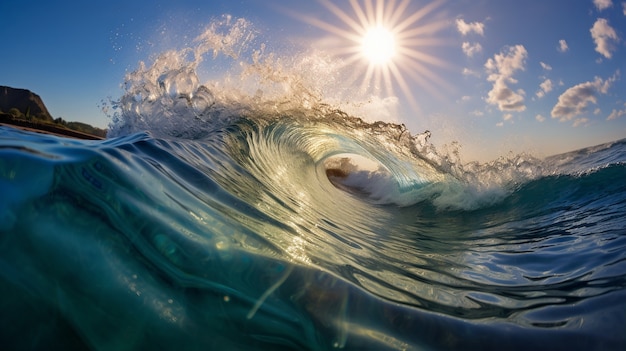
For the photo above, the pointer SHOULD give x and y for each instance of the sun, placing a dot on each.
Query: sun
(378, 45)
(386, 45)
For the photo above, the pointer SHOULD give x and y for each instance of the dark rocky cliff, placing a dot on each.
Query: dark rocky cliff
(27, 102)
(24, 109)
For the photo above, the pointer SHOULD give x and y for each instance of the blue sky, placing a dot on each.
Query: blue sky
(537, 76)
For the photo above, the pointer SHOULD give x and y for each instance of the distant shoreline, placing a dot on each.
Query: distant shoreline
(44, 128)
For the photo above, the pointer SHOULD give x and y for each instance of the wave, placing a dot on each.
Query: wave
(167, 99)
(252, 212)
(161, 233)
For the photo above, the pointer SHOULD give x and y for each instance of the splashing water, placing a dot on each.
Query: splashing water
(252, 212)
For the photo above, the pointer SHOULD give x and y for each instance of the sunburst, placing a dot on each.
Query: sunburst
(390, 45)
(378, 45)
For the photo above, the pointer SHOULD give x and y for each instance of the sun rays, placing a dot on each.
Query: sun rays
(386, 45)
(378, 45)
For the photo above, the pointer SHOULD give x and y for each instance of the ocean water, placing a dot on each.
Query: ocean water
(240, 216)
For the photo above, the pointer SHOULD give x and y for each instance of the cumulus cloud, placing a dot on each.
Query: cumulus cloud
(500, 70)
(544, 88)
(574, 101)
(507, 62)
(617, 113)
(562, 46)
(545, 66)
(471, 49)
(624, 8)
(602, 4)
(604, 36)
(465, 28)
(540, 118)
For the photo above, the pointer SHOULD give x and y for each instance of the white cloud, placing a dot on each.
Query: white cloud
(562, 46)
(544, 88)
(469, 72)
(381, 108)
(574, 101)
(465, 28)
(604, 36)
(500, 71)
(540, 118)
(471, 49)
(602, 4)
(624, 8)
(617, 113)
(507, 117)
(545, 66)
(580, 121)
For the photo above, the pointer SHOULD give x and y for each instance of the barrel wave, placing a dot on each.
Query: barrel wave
(214, 220)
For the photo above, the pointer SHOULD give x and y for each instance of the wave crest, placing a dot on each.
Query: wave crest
(167, 99)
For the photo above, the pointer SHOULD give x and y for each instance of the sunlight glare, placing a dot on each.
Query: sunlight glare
(378, 45)
(385, 44)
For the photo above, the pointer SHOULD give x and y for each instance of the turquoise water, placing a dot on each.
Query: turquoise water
(240, 240)
(251, 213)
